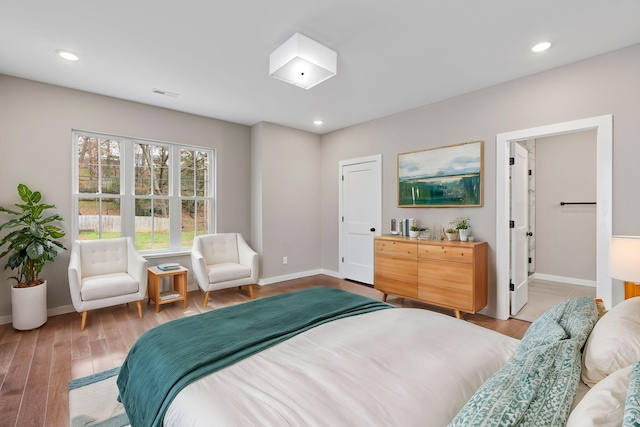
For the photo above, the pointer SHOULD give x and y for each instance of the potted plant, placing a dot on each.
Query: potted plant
(414, 231)
(31, 243)
(463, 225)
(452, 233)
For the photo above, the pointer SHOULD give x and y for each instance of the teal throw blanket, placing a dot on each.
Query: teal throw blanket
(167, 358)
(536, 388)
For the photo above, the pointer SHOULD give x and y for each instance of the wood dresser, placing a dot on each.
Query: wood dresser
(445, 273)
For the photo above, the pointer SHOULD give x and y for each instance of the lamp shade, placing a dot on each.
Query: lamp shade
(303, 62)
(624, 258)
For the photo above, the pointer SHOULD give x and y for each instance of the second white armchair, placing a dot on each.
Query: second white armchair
(222, 261)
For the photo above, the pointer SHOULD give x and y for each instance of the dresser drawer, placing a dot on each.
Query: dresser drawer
(446, 253)
(392, 286)
(443, 276)
(386, 247)
(398, 268)
(458, 300)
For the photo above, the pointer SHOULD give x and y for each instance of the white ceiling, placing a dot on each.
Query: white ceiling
(392, 55)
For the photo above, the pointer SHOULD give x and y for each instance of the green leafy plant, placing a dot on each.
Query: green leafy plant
(460, 223)
(451, 230)
(416, 228)
(33, 240)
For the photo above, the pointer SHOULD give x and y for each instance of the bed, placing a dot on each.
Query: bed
(336, 358)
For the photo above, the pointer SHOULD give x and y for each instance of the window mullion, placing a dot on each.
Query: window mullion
(175, 206)
(212, 191)
(127, 190)
(75, 182)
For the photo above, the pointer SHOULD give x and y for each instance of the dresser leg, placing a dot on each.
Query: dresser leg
(458, 315)
(384, 297)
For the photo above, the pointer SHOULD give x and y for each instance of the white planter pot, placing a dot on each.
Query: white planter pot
(464, 234)
(452, 236)
(29, 307)
(413, 233)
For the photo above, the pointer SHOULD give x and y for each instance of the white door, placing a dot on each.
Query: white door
(360, 216)
(519, 236)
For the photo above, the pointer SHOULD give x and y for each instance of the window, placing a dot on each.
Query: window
(160, 193)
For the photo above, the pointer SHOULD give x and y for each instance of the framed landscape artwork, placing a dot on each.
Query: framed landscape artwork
(441, 177)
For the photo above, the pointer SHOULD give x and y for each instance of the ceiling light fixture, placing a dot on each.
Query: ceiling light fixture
(317, 122)
(69, 56)
(303, 62)
(541, 47)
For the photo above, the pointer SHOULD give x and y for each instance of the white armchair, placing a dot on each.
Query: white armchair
(221, 261)
(104, 273)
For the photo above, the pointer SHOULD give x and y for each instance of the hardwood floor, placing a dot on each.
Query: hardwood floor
(36, 366)
(544, 294)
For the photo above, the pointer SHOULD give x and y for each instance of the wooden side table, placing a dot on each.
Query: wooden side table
(179, 292)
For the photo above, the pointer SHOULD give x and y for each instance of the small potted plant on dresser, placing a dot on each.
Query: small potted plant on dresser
(463, 225)
(414, 231)
(30, 245)
(451, 233)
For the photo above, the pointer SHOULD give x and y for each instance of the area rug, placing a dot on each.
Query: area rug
(93, 401)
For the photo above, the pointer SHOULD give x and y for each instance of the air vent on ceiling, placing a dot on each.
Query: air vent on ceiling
(165, 93)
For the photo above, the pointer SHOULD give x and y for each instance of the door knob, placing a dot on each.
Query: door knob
(529, 233)
(372, 229)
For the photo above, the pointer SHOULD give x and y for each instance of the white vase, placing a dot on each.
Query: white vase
(464, 234)
(29, 307)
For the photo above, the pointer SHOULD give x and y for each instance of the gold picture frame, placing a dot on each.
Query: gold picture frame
(442, 177)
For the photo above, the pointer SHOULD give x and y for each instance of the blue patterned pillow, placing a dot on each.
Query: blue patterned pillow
(632, 405)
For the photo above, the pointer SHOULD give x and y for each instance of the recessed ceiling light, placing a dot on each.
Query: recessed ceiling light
(69, 56)
(541, 47)
(317, 122)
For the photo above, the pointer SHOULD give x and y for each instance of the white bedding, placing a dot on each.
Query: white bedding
(400, 367)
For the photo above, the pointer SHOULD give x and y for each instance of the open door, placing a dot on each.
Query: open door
(519, 285)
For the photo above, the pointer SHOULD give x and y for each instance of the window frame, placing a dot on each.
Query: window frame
(127, 194)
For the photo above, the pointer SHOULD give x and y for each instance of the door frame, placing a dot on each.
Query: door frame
(377, 160)
(604, 220)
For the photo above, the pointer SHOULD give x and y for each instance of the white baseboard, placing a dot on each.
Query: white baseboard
(63, 309)
(570, 280)
(332, 273)
(270, 280)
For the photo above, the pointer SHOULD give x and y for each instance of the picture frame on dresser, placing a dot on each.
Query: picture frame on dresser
(442, 177)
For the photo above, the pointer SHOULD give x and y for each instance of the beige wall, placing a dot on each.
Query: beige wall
(607, 84)
(297, 212)
(566, 235)
(289, 199)
(35, 141)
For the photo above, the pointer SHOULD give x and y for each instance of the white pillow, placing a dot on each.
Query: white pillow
(604, 404)
(614, 343)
